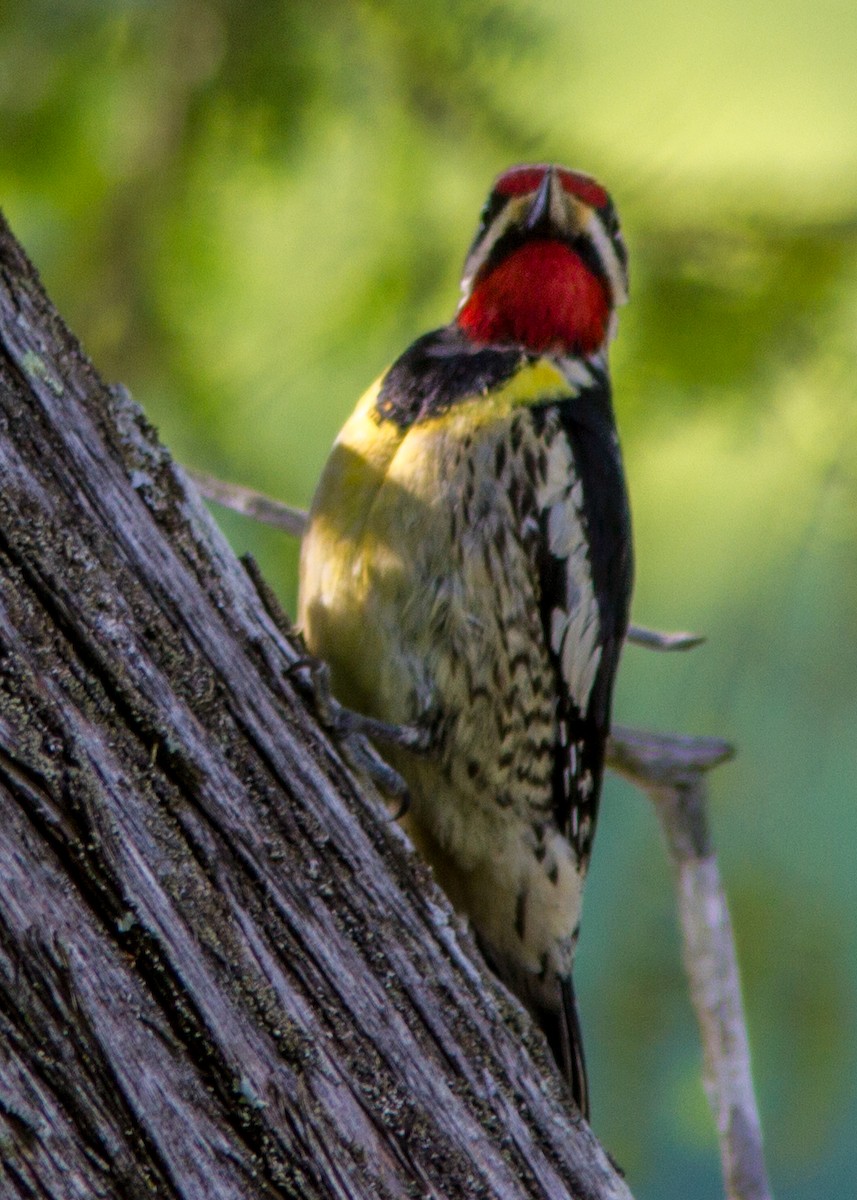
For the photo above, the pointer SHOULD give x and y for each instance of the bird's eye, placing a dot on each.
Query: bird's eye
(492, 206)
(610, 220)
(490, 209)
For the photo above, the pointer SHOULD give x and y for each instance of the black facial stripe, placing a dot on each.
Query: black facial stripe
(584, 248)
(610, 222)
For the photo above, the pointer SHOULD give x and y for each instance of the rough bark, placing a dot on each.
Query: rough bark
(223, 973)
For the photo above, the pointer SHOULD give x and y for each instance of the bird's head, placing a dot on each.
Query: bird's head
(547, 267)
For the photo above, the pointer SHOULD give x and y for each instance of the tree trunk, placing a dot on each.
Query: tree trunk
(223, 972)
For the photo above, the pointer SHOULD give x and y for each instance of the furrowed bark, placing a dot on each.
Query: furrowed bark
(223, 973)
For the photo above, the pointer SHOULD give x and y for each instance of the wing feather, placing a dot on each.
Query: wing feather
(585, 575)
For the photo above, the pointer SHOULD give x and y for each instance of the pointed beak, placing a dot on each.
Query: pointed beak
(539, 218)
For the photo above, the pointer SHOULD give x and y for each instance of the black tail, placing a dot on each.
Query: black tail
(562, 1030)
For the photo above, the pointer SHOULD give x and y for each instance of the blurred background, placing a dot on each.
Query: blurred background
(246, 208)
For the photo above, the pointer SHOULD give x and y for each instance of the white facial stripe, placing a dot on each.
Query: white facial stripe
(609, 258)
(511, 213)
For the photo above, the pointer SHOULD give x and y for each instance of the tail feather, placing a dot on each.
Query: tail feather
(560, 1024)
(573, 1062)
(562, 1030)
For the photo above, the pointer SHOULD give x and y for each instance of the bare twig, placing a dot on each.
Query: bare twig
(671, 770)
(653, 639)
(250, 503)
(664, 759)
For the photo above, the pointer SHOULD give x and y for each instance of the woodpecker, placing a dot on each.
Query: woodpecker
(467, 570)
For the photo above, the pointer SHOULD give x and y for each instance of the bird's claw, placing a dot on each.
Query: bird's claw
(357, 732)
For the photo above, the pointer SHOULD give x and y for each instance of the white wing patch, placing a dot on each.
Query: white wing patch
(575, 627)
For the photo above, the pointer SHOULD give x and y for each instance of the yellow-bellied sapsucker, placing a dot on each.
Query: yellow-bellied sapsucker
(467, 570)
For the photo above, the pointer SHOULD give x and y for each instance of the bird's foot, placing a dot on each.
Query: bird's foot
(357, 732)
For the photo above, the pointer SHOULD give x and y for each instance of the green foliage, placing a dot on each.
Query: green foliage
(246, 209)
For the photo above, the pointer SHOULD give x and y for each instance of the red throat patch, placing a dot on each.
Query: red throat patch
(542, 297)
